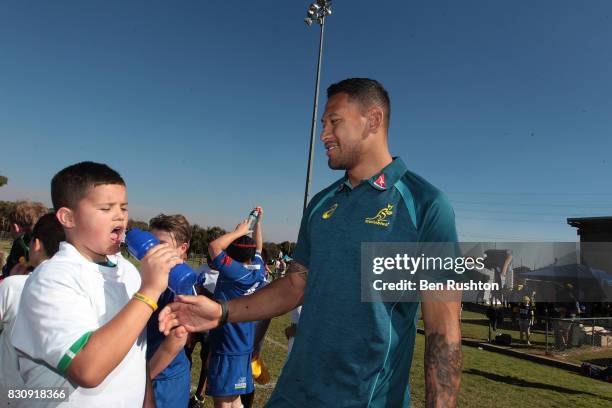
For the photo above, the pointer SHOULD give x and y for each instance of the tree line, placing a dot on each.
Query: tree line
(200, 236)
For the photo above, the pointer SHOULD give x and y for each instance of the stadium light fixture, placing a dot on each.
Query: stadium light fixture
(315, 13)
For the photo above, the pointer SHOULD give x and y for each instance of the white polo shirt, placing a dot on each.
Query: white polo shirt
(63, 302)
(10, 292)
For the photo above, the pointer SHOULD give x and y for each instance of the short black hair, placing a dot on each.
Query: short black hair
(242, 249)
(366, 91)
(73, 183)
(50, 232)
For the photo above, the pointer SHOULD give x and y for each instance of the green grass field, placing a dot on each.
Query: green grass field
(5, 246)
(475, 326)
(489, 379)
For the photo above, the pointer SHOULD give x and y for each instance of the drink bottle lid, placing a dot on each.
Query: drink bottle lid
(139, 242)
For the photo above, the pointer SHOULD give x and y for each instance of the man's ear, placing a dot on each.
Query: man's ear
(184, 248)
(65, 216)
(375, 119)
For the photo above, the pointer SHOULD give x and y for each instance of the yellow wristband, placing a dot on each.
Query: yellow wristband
(145, 299)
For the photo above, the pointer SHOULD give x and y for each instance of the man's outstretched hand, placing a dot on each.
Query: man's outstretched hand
(194, 313)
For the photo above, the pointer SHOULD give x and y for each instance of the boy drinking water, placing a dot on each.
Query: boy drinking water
(82, 316)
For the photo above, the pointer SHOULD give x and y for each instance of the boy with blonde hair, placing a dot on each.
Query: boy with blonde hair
(82, 315)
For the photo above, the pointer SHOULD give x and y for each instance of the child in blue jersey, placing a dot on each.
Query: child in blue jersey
(169, 367)
(238, 259)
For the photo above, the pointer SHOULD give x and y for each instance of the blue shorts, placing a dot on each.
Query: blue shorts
(172, 392)
(229, 375)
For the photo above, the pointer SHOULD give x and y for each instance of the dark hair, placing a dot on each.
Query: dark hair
(50, 232)
(175, 224)
(264, 255)
(73, 183)
(366, 91)
(26, 213)
(242, 249)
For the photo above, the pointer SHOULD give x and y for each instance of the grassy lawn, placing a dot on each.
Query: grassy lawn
(475, 326)
(5, 246)
(489, 379)
(593, 355)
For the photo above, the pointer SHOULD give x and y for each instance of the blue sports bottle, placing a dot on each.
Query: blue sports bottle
(181, 278)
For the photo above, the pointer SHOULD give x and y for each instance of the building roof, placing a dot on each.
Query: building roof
(589, 221)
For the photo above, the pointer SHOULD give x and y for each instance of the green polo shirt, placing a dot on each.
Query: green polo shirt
(350, 353)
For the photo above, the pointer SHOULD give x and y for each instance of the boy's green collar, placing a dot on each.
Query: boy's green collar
(108, 263)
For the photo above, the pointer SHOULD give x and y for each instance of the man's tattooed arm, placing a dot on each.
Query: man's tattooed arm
(298, 269)
(443, 361)
(443, 358)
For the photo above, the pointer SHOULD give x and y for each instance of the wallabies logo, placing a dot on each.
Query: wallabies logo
(381, 217)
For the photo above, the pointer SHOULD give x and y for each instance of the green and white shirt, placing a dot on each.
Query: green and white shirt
(65, 300)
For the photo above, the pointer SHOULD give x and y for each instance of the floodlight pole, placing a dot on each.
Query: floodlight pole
(321, 21)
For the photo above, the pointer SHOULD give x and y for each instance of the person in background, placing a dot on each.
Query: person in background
(22, 217)
(205, 286)
(525, 320)
(44, 243)
(261, 375)
(238, 259)
(168, 364)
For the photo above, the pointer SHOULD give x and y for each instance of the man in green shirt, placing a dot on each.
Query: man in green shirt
(347, 352)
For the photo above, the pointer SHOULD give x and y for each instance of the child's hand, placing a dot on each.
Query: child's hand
(155, 267)
(242, 228)
(180, 333)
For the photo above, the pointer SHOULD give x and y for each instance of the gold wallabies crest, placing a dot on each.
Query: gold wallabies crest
(381, 217)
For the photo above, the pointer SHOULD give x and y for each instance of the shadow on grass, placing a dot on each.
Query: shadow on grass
(519, 382)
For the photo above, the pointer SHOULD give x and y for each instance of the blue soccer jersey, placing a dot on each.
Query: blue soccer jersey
(235, 280)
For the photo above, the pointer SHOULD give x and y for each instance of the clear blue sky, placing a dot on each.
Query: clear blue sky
(204, 107)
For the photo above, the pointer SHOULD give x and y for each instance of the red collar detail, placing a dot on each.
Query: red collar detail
(380, 181)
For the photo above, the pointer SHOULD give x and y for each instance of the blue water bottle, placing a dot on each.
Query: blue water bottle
(181, 278)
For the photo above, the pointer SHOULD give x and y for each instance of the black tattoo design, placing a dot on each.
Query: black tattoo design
(443, 363)
(301, 270)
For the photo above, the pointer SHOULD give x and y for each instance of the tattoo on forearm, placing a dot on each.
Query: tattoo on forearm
(443, 362)
(301, 270)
